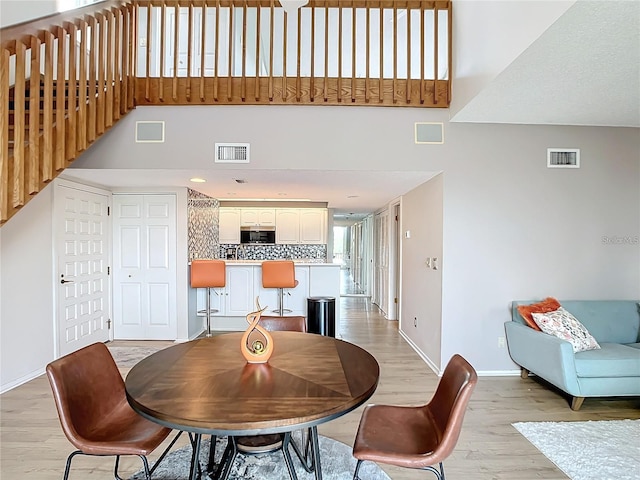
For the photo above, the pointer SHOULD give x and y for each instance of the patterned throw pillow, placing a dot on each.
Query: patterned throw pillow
(562, 324)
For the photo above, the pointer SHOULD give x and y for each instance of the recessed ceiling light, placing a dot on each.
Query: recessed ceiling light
(197, 180)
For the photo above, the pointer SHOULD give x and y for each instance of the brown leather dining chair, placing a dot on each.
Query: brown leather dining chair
(94, 413)
(418, 436)
(254, 444)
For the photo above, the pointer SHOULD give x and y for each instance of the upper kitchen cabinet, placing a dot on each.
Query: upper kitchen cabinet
(257, 217)
(301, 225)
(229, 225)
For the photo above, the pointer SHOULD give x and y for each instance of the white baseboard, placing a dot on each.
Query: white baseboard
(481, 373)
(24, 379)
(421, 354)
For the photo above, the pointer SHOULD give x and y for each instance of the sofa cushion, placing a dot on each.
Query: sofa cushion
(609, 321)
(611, 360)
(562, 324)
(549, 304)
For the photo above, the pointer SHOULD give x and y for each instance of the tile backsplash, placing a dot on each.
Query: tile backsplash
(275, 252)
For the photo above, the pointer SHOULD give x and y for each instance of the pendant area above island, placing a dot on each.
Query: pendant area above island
(244, 285)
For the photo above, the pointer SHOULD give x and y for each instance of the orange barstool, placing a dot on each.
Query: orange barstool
(208, 274)
(279, 274)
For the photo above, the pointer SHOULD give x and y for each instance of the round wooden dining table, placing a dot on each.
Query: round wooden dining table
(206, 386)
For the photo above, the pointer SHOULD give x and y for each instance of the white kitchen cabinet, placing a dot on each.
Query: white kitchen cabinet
(260, 217)
(313, 225)
(236, 298)
(288, 225)
(301, 225)
(229, 225)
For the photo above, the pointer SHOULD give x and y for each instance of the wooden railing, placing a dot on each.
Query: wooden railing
(95, 64)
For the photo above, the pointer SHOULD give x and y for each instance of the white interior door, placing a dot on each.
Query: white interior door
(144, 274)
(82, 257)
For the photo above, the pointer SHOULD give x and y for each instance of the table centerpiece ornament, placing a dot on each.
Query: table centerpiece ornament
(256, 344)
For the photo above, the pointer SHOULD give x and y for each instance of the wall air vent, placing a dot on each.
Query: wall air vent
(232, 153)
(150, 132)
(563, 157)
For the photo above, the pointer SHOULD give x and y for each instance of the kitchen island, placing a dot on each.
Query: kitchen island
(244, 285)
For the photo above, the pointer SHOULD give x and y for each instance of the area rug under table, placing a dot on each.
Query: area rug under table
(593, 450)
(337, 464)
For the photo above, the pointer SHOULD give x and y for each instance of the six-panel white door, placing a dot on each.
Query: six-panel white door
(144, 276)
(82, 253)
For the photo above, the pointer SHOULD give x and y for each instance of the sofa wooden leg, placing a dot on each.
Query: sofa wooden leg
(524, 373)
(576, 403)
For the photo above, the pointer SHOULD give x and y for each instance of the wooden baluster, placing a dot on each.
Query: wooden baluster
(133, 57)
(117, 62)
(216, 52)
(381, 79)
(47, 118)
(83, 85)
(126, 52)
(100, 100)
(435, 55)
(61, 83)
(408, 92)
(353, 51)
(17, 182)
(4, 135)
(163, 49)
(449, 47)
(421, 53)
(32, 170)
(395, 51)
(176, 52)
(272, 26)
(243, 80)
(147, 63)
(230, 47)
(92, 84)
(339, 92)
(110, 77)
(284, 59)
(71, 133)
(189, 49)
(258, 32)
(367, 85)
(203, 48)
(299, 50)
(326, 51)
(312, 83)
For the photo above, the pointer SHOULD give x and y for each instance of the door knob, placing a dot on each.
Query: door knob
(66, 281)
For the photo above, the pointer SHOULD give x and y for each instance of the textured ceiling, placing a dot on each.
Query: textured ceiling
(583, 70)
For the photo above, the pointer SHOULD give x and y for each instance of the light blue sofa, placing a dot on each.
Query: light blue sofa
(613, 370)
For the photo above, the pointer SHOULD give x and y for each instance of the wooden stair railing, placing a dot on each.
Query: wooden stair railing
(83, 87)
(96, 63)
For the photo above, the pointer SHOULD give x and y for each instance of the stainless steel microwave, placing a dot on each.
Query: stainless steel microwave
(258, 235)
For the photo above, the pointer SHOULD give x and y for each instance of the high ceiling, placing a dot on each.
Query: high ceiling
(583, 70)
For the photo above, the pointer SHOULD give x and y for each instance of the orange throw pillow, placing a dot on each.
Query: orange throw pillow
(547, 305)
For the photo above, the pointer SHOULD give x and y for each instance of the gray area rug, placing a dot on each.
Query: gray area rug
(127, 357)
(594, 450)
(337, 464)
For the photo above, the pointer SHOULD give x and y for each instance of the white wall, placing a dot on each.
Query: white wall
(421, 300)
(26, 289)
(13, 11)
(512, 228)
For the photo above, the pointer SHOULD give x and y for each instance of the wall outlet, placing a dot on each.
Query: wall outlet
(501, 342)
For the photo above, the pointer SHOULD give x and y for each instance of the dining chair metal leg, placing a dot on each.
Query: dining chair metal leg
(68, 467)
(355, 474)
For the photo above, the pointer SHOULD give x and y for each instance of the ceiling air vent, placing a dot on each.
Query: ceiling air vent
(232, 153)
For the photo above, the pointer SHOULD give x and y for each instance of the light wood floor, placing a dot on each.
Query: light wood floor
(32, 445)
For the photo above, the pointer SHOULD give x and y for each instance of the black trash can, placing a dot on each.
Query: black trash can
(321, 316)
